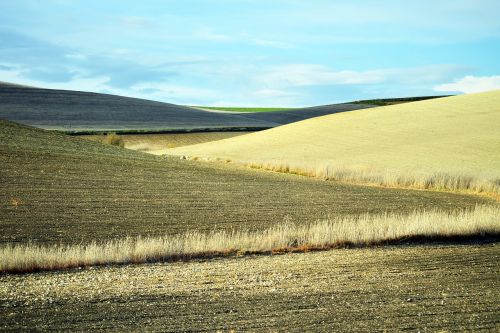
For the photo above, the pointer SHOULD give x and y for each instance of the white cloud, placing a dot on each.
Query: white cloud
(172, 93)
(120, 52)
(273, 93)
(471, 84)
(210, 35)
(391, 21)
(76, 56)
(273, 43)
(260, 98)
(301, 75)
(137, 21)
(311, 74)
(154, 91)
(97, 84)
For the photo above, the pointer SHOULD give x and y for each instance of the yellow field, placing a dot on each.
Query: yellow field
(158, 143)
(447, 143)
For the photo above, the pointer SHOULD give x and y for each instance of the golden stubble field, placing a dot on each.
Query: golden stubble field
(446, 143)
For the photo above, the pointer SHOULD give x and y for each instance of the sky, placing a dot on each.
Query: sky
(283, 53)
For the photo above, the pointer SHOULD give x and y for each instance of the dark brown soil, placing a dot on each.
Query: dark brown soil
(415, 289)
(57, 188)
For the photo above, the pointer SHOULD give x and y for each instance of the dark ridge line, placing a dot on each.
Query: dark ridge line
(377, 101)
(83, 92)
(8, 85)
(164, 131)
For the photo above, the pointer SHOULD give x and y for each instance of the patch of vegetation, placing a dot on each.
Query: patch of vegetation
(113, 139)
(441, 181)
(158, 143)
(282, 238)
(392, 101)
(244, 109)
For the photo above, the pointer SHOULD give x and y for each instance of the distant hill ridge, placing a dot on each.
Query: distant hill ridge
(84, 111)
(4, 84)
(87, 112)
(76, 111)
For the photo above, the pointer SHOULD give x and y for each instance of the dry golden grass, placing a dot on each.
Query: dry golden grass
(335, 232)
(159, 144)
(112, 139)
(437, 180)
(447, 143)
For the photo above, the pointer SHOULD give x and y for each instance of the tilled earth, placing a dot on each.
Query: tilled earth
(412, 288)
(60, 189)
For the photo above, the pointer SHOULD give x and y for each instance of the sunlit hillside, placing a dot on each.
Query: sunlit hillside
(451, 143)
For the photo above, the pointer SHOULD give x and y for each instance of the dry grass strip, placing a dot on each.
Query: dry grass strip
(441, 181)
(362, 230)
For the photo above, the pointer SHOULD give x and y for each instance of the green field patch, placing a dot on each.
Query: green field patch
(243, 109)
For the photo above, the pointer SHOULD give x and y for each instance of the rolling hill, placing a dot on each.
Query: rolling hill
(81, 111)
(293, 115)
(283, 116)
(75, 111)
(450, 143)
(62, 189)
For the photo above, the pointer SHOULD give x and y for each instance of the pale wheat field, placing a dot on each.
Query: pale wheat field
(448, 143)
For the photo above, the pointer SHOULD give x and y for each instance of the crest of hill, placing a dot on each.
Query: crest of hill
(293, 115)
(81, 112)
(406, 143)
(76, 111)
(12, 85)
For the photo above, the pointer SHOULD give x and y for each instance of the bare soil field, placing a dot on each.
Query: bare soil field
(76, 111)
(416, 288)
(83, 112)
(57, 188)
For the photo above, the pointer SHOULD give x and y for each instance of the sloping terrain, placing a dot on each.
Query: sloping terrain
(81, 111)
(12, 85)
(57, 188)
(407, 143)
(284, 116)
(75, 111)
(294, 115)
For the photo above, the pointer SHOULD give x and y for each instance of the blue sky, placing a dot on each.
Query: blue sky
(253, 53)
